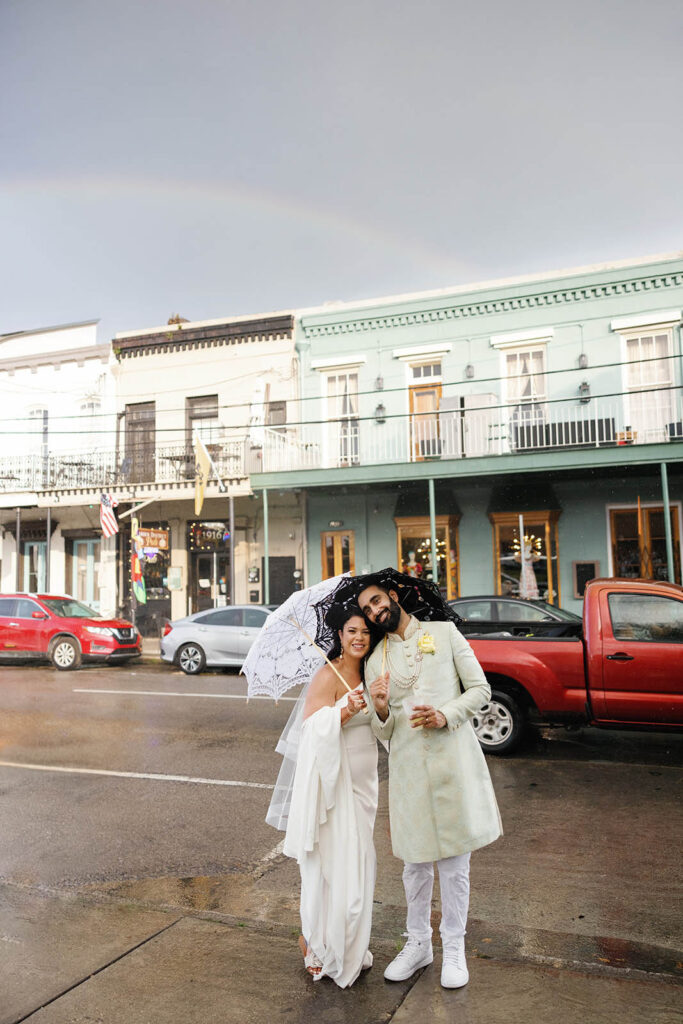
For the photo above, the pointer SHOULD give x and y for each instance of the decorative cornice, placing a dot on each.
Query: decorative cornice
(177, 337)
(503, 304)
(422, 351)
(514, 338)
(338, 361)
(661, 318)
(81, 355)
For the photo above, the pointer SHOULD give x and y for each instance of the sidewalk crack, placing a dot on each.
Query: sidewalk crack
(99, 970)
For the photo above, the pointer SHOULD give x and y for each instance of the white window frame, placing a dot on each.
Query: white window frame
(645, 332)
(36, 440)
(336, 369)
(534, 346)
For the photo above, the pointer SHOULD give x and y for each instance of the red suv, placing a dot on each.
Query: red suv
(39, 626)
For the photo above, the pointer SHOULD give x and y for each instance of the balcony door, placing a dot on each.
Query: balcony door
(342, 416)
(425, 400)
(140, 442)
(649, 383)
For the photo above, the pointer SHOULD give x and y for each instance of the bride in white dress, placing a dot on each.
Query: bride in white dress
(332, 814)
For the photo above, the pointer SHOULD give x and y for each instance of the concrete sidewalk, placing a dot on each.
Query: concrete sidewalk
(78, 959)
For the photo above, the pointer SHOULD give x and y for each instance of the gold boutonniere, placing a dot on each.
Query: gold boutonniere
(426, 644)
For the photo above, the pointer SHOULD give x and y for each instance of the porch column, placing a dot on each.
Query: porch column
(48, 536)
(231, 527)
(266, 566)
(18, 570)
(432, 527)
(667, 524)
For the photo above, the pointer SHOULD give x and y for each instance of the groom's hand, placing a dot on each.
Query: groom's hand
(379, 691)
(428, 717)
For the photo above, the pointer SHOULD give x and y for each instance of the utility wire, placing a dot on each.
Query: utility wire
(251, 427)
(419, 382)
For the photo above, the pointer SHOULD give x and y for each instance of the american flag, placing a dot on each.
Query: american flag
(108, 518)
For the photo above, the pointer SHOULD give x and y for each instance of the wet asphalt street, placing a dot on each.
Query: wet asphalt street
(147, 788)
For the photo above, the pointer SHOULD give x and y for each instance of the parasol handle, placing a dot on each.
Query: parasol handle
(321, 651)
(384, 655)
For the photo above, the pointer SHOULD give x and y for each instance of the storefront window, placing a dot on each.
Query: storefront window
(155, 557)
(153, 551)
(415, 551)
(639, 543)
(338, 553)
(525, 550)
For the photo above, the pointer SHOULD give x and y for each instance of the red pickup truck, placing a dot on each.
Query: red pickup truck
(625, 670)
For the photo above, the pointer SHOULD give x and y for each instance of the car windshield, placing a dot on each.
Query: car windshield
(68, 608)
(559, 613)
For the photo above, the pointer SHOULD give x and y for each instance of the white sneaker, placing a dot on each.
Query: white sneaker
(454, 973)
(413, 956)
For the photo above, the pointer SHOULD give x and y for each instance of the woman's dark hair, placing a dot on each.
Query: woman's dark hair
(336, 618)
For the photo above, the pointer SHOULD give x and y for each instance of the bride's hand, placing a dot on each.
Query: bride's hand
(379, 691)
(355, 703)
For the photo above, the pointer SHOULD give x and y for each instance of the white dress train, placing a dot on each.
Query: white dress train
(329, 833)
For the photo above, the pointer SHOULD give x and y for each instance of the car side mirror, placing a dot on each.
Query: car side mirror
(38, 615)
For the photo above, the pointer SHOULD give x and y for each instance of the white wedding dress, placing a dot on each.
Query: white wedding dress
(329, 833)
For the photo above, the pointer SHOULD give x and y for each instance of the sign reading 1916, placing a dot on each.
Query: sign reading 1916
(209, 536)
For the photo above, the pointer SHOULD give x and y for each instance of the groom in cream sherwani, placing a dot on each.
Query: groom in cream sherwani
(441, 800)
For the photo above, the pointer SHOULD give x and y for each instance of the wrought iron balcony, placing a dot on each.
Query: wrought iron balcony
(106, 468)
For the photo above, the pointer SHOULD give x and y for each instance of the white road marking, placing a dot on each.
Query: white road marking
(134, 775)
(167, 693)
(266, 861)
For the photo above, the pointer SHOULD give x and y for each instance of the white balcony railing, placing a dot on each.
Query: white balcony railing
(476, 431)
(461, 431)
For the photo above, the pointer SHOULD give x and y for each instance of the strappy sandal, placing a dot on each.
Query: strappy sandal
(312, 962)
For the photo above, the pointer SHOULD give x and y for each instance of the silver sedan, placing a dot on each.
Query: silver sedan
(213, 638)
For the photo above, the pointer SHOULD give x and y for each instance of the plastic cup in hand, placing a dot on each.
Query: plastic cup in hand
(408, 708)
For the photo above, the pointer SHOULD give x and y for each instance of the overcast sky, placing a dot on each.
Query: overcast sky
(222, 157)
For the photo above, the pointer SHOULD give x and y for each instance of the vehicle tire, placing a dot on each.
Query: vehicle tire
(65, 654)
(500, 724)
(191, 659)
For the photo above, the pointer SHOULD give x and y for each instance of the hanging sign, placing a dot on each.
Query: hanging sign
(154, 538)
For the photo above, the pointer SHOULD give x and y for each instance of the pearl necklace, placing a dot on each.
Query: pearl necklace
(404, 682)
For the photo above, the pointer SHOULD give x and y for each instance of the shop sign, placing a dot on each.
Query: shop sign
(157, 539)
(208, 536)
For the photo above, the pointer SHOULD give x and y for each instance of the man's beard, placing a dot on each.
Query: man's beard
(389, 624)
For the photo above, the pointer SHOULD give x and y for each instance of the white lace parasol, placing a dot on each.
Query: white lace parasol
(281, 656)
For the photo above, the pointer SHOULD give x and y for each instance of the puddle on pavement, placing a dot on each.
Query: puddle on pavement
(236, 894)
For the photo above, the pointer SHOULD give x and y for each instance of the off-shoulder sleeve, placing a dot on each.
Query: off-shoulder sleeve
(317, 770)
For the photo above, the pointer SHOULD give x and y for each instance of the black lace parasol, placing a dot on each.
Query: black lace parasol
(421, 598)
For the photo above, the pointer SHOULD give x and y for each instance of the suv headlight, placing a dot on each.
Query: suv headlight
(99, 630)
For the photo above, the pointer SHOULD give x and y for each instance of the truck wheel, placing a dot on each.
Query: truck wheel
(499, 725)
(191, 659)
(65, 654)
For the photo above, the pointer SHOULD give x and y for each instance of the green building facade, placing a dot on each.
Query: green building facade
(528, 431)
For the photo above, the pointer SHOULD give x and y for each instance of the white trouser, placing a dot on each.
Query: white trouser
(454, 881)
